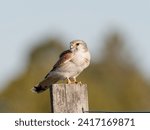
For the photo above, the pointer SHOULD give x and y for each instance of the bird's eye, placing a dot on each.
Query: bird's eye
(77, 44)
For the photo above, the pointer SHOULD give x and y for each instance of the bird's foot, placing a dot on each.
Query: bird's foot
(68, 81)
(73, 81)
(78, 82)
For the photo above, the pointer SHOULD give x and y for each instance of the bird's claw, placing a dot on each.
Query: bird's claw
(78, 82)
(69, 81)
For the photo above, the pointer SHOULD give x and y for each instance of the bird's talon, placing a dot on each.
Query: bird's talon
(78, 82)
(68, 81)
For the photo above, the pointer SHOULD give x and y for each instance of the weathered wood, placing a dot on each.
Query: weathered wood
(69, 98)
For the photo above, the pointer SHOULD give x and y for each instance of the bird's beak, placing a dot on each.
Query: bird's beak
(71, 47)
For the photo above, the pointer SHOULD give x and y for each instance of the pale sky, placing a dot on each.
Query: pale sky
(24, 21)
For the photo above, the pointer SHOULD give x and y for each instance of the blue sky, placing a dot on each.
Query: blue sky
(24, 21)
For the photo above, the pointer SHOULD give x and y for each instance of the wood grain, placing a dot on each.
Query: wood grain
(69, 98)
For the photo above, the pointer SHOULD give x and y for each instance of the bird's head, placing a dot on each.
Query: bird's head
(76, 45)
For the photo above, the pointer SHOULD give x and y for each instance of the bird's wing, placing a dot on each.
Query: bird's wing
(48, 80)
(63, 59)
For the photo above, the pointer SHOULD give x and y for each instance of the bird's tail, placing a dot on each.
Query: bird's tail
(45, 84)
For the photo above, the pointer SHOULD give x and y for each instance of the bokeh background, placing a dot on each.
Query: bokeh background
(34, 32)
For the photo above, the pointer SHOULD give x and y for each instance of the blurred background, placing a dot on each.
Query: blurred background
(34, 32)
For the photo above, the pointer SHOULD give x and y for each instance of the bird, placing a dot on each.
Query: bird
(69, 65)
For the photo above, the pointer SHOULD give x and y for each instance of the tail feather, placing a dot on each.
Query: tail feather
(38, 89)
(45, 84)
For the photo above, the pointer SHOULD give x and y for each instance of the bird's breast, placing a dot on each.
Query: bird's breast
(81, 59)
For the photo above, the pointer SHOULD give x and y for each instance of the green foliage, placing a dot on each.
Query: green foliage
(114, 83)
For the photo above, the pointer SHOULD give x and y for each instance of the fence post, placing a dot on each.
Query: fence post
(69, 98)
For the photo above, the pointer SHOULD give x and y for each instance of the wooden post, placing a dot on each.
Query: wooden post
(69, 98)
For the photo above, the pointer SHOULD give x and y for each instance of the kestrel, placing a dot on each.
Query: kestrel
(70, 64)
